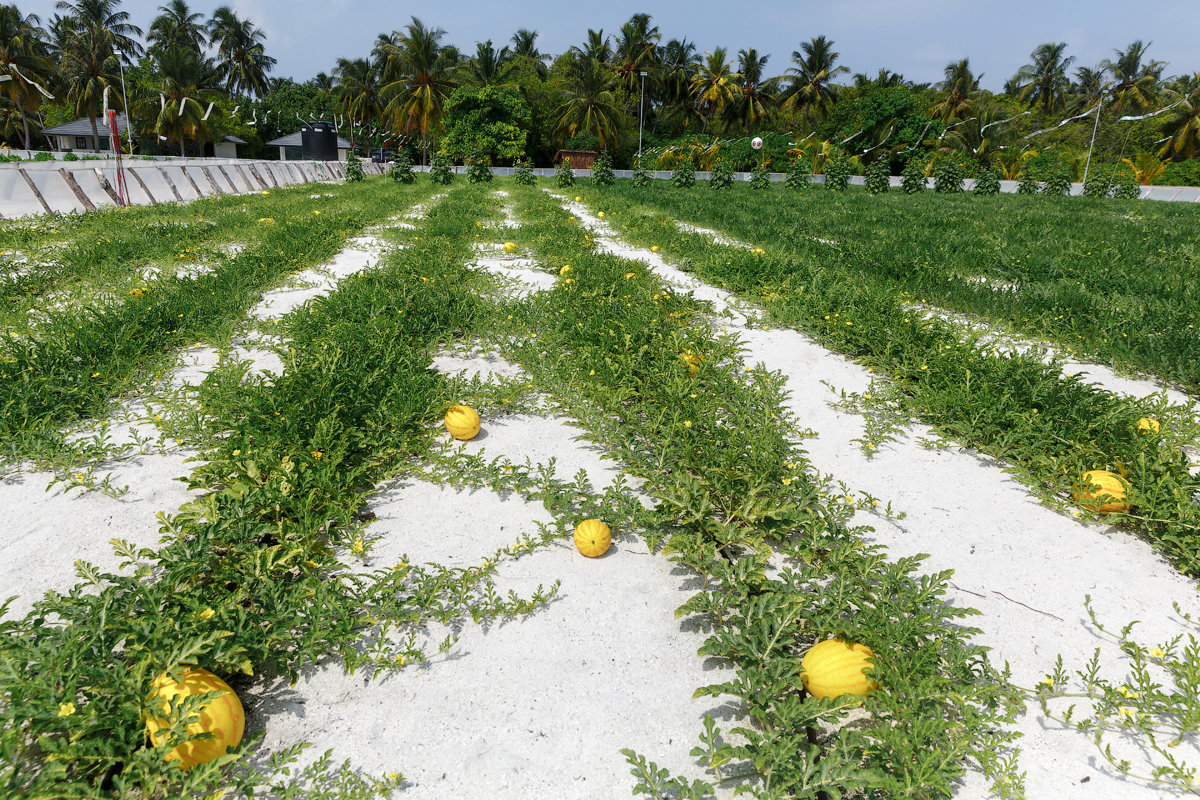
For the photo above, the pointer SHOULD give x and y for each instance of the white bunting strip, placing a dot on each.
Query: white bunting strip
(162, 103)
(235, 110)
(1064, 122)
(182, 102)
(206, 113)
(887, 136)
(1002, 121)
(851, 136)
(104, 110)
(32, 82)
(1153, 114)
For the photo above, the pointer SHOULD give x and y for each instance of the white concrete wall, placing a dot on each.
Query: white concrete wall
(165, 181)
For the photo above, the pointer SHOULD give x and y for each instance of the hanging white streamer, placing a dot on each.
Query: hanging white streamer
(887, 136)
(104, 110)
(1064, 122)
(1002, 121)
(206, 113)
(851, 136)
(1153, 114)
(255, 120)
(162, 103)
(235, 110)
(34, 83)
(182, 103)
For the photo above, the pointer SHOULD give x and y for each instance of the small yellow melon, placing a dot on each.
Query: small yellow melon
(600, 214)
(1098, 484)
(592, 538)
(630, 275)
(833, 668)
(578, 199)
(222, 716)
(654, 249)
(510, 247)
(1148, 425)
(462, 422)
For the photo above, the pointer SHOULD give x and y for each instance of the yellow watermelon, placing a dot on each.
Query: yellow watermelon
(1097, 484)
(221, 716)
(833, 668)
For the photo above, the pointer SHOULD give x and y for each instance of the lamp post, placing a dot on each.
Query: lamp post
(641, 115)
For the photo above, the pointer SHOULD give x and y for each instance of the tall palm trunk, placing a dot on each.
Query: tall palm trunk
(25, 124)
(95, 133)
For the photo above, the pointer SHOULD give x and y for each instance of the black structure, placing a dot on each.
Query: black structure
(318, 141)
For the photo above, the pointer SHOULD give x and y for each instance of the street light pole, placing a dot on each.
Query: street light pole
(641, 116)
(1099, 109)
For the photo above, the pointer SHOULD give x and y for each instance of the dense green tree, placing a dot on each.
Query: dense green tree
(23, 59)
(636, 50)
(960, 86)
(1136, 80)
(715, 84)
(488, 66)
(486, 121)
(104, 15)
(1183, 127)
(756, 99)
(418, 80)
(589, 103)
(89, 67)
(187, 83)
(356, 89)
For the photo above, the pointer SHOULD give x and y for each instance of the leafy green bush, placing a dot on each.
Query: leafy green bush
(837, 174)
(70, 157)
(684, 176)
(401, 169)
(878, 175)
(563, 176)
(799, 174)
(722, 175)
(354, 167)
(602, 172)
(1180, 173)
(759, 177)
(478, 170)
(641, 175)
(913, 176)
(439, 170)
(1096, 185)
(988, 182)
(1127, 186)
(523, 173)
(1058, 183)
(43, 157)
(948, 179)
(1028, 182)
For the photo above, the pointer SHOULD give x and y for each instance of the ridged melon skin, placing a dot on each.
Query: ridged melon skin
(592, 538)
(222, 716)
(1103, 483)
(462, 422)
(833, 668)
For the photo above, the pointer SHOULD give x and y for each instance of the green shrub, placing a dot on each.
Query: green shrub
(70, 157)
(722, 175)
(641, 175)
(439, 170)
(354, 167)
(523, 173)
(684, 176)
(837, 174)
(42, 157)
(1028, 182)
(759, 177)
(1096, 185)
(913, 176)
(988, 182)
(1127, 186)
(799, 174)
(401, 170)
(948, 179)
(602, 171)
(478, 169)
(878, 176)
(563, 176)
(1058, 183)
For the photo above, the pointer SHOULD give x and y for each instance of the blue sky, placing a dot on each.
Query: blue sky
(914, 37)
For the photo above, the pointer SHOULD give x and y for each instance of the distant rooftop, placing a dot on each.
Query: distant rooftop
(293, 140)
(81, 127)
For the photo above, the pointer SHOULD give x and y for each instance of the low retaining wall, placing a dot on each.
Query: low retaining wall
(57, 187)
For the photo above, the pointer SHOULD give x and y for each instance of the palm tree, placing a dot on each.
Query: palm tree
(1184, 127)
(177, 26)
(356, 87)
(243, 62)
(417, 79)
(103, 15)
(524, 44)
(489, 66)
(1136, 83)
(89, 66)
(1088, 86)
(678, 63)
(715, 85)
(812, 75)
(588, 102)
(187, 83)
(981, 137)
(595, 47)
(636, 50)
(885, 79)
(1044, 82)
(23, 60)
(960, 87)
(756, 98)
